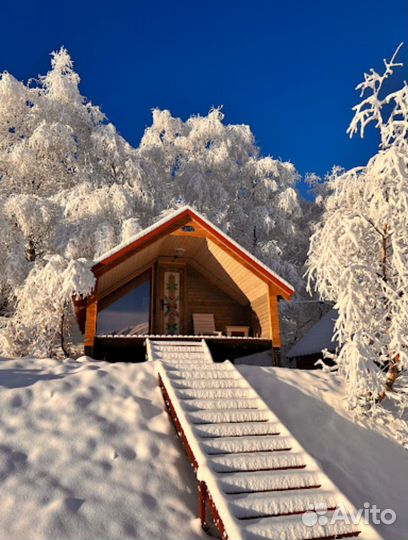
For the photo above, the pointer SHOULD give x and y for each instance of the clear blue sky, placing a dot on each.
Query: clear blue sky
(287, 68)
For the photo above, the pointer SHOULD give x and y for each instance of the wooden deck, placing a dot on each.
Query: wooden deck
(119, 348)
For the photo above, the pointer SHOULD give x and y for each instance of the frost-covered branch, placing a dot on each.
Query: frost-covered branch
(358, 255)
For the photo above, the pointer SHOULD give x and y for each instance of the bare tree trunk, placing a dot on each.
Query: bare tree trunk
(30, 251)
(62, 338)
(384, 253)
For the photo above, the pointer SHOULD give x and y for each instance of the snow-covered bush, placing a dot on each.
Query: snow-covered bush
(44, 304)
(358, 256)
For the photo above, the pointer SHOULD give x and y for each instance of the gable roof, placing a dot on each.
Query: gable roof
(172, 222)
(319, 337)
(224, 262)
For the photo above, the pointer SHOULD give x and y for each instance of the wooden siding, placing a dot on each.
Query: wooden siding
(254, 289)
(218, 271)
(130, 268)
(203, 296)
(260, 308)
(200, 228)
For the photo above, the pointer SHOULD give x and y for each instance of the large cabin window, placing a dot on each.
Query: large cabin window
(127, 310)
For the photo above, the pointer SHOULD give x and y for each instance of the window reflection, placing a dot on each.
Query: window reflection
(126, 311)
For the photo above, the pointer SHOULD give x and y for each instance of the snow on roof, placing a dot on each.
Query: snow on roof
(140, 234)
(193, 212)
(318, 338)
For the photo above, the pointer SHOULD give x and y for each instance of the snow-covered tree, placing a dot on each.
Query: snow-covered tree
(68, 184)
(217, 168)
(71, 187)
(44, 304)
(358, 256)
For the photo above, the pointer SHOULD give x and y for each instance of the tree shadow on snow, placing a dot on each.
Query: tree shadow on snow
(21, 378)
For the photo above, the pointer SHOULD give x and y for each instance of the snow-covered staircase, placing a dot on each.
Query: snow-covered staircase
(256, 478)
(178, 353)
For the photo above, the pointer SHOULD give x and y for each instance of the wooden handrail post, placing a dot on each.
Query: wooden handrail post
(202, 497)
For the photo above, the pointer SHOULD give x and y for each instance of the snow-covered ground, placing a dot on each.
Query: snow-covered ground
(87, 450)
(364, 461)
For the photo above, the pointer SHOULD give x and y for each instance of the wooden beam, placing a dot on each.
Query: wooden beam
(274, 319)
(118, 257)
(90, 325)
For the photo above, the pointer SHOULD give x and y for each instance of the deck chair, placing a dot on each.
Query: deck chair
(204, 324)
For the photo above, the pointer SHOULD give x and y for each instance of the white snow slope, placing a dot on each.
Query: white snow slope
(87, 451)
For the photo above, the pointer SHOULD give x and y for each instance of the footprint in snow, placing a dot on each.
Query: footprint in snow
(82, 402)
(73, 504)
(149, 501)
(128, 453)
(16, 402)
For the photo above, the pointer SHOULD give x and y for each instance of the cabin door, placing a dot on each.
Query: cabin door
(171, 298)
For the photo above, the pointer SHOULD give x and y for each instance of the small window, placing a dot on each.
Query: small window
(126, 311)
(188, 228)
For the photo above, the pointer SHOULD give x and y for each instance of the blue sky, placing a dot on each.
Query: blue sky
(288, 69)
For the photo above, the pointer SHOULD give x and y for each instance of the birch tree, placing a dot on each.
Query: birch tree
(72, 188)
(218, 169)
(358, 255)
(69, 184)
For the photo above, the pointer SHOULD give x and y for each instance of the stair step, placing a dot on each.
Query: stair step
(235, 445)
(220, 417)
(293, 528)
(181, 357)
(204, 374)
(171, 345)
(215, 393)
(258, 461)
(253, 482)
(220, 404)
(241, 429)
(179, 350)
(253, 505)
(205, 384)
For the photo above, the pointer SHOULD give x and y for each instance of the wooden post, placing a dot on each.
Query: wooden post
(202, 496)
(274, 326)
(90, 326)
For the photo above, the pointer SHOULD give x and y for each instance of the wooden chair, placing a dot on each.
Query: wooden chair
(204, 324)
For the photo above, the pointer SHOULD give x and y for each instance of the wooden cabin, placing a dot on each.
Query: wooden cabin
(182, 279)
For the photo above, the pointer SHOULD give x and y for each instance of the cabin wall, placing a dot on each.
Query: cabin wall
(203, 296)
